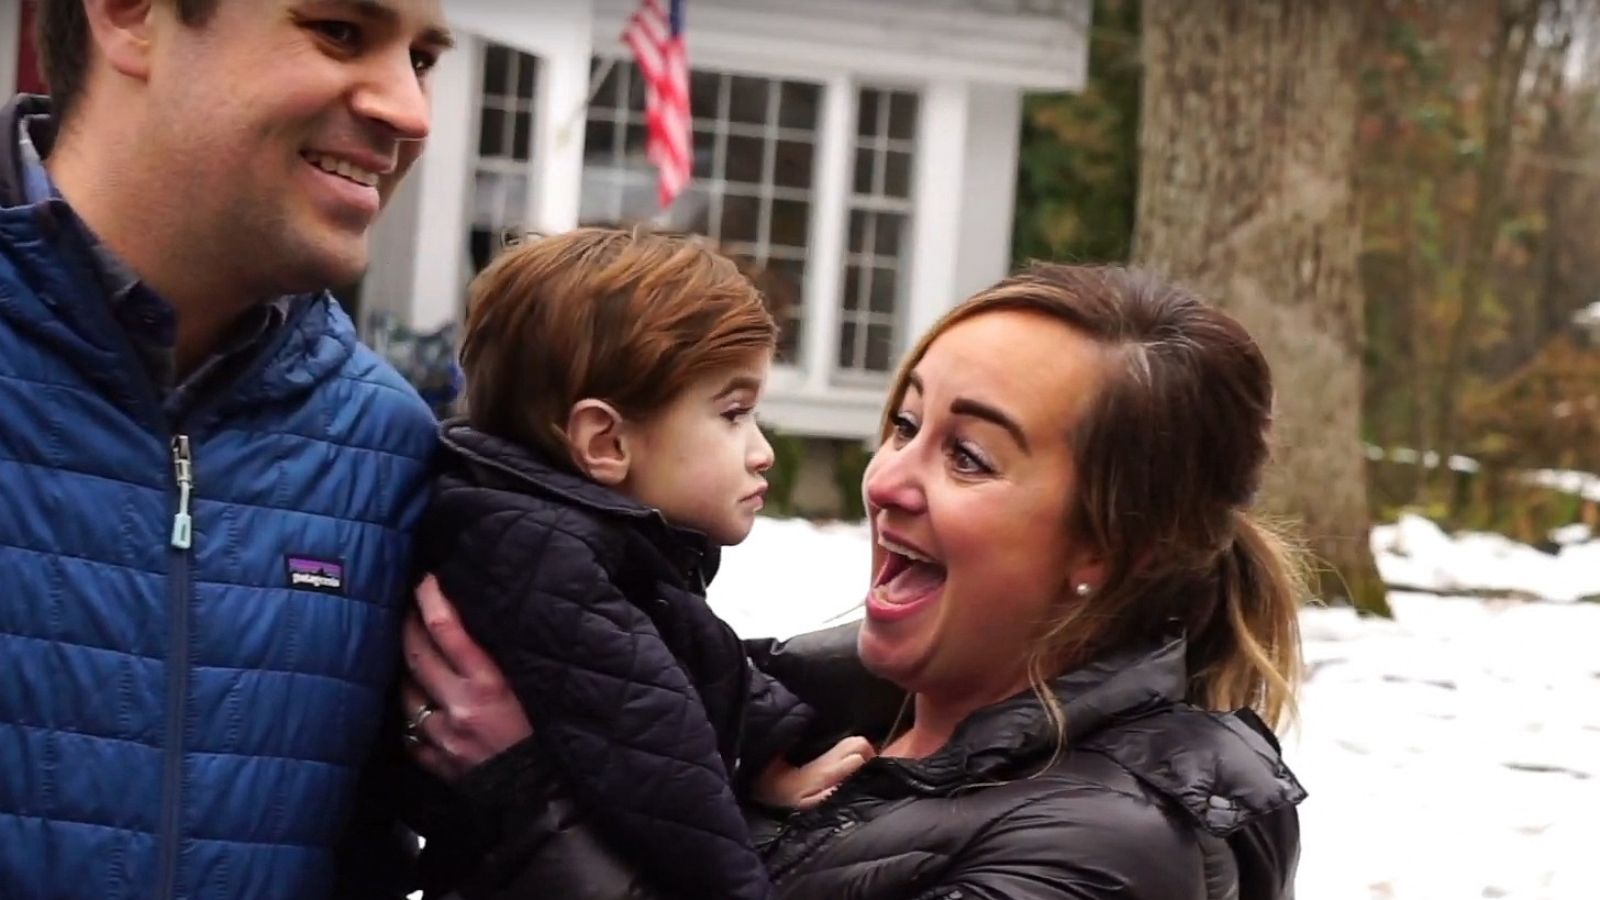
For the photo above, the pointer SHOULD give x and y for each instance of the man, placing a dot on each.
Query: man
(206, 482)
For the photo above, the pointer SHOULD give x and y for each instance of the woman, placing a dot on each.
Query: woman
(1072, 594)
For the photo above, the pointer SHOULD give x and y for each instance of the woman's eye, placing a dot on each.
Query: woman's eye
(968, 462)
(738, 413)
(423, 62)
(903, 426)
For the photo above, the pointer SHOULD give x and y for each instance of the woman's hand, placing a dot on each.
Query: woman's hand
(783, 785)
(459, 710)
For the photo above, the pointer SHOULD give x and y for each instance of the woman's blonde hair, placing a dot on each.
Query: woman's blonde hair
(1168, 458)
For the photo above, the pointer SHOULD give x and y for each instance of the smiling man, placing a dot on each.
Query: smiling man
(206, 483)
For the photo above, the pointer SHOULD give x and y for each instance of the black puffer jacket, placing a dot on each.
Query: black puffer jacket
(1155, 800)
(644, 702)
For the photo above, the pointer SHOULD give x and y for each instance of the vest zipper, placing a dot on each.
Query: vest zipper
(177, 666)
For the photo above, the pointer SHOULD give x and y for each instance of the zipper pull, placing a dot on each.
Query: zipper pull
(183, 465)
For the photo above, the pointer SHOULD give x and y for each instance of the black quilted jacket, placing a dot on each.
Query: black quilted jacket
(1155, 800)
(646, 709)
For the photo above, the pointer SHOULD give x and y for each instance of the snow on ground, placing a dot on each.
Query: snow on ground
(1453, 752)
(1414, 553)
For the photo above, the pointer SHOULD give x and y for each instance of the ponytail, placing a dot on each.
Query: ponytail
(1249, 653)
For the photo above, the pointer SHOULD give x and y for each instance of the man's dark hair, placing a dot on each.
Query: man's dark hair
(61, 32)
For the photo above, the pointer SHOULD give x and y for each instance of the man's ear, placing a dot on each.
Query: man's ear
(598, 440)
(122, 31)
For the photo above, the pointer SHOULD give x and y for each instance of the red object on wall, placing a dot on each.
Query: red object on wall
(28, 78)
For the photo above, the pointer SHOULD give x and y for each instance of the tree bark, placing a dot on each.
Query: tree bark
(1246, 194)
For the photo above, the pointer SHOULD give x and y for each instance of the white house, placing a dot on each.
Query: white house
(862, 153)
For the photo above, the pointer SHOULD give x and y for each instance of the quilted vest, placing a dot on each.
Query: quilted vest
(199, 621)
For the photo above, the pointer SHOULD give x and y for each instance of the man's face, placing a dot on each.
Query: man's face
(284, 125)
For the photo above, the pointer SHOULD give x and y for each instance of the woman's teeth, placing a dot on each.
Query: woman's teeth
(903, 550)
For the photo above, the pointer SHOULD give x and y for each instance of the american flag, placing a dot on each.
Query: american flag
(655, 34)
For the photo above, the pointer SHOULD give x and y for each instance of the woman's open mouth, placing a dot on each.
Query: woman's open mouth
(908, 580)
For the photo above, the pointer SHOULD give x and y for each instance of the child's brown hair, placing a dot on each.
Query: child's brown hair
(629, 317)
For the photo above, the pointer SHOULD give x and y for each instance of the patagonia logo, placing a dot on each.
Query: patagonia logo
(325, 576)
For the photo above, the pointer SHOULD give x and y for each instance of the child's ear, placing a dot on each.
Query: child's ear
(597, 439)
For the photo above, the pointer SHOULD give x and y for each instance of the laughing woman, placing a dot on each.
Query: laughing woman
(1091, 629)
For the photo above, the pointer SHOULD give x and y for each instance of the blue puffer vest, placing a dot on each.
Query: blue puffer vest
(198, 623)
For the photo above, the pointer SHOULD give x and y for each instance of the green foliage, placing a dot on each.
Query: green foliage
(1078, 162)
(1424, 164)
(788, 453)
(849, 468)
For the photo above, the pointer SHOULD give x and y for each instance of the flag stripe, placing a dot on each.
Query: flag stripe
(655, 37)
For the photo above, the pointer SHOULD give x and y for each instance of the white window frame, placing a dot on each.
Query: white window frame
(477, 163)
(878, 202)
(10, 46)
(805, 395)
(767, 191)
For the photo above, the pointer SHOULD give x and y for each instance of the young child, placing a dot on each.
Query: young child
(609, 450)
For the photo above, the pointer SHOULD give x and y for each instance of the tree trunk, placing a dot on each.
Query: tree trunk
(1246, 156)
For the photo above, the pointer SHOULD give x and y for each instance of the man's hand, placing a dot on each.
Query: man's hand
(783, 785)
(458, 708)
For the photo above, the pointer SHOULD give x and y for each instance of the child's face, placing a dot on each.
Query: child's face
(700, 461)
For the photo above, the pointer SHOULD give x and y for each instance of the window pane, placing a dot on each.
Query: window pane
(705, 89)
(897, 174)
(852, 288)
(789, 218)
(492, 133)
(793, 164)
(883, 290)
(781, 282)
(481, 244)
(879, 238)
(740, 219)
(886, 242)
(496, 69)
(633, 147)
(730, 197)
(864, 167)
(847, 345)
(797, 105)
(634, 87)
(597, 142)
(606, 97)
(878, 344)
(748, 102)
(903, 116)
(705, 154)
(745, 159)
(520, 146)
(867, 113)
(859, 223)
(526, 67)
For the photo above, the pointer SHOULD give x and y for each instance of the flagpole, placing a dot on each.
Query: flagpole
(595, 81)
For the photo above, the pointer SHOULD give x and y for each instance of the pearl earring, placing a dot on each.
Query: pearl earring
(1083, 589)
